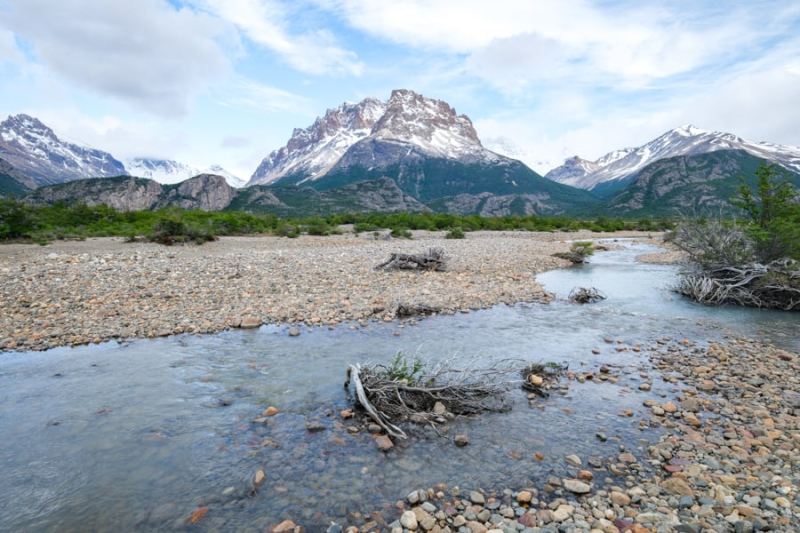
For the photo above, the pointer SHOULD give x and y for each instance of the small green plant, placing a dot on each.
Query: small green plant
(455, 233)
(402, 233)
(401, 370)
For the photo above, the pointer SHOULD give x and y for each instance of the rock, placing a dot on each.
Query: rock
(250, 322)
(197, 515)
(644, 386)
(477, 498)
(294, 332)
(461, 440)
(576, 486)
(259, 477)
(315, 427)
(384, 443)
(287, 526)
(670, 407)
(676, 485)
(409, 520)
(535, 380)
(439, 408)
(706, 385)
(691, 419)
(524, 496)
(270, 411)
(620, 498)
(574, 460)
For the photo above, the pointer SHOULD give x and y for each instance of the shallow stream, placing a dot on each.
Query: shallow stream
(139, 435)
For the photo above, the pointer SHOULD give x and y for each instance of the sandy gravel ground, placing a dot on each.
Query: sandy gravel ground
(73, 293)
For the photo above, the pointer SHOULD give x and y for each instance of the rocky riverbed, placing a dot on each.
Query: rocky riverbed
(725, 452)
(728, 460)
(74, 293)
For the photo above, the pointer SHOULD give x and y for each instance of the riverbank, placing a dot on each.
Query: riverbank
(727, 460)
(75, 293)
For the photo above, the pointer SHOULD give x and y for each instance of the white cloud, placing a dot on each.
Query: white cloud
(146, 53)
(267, 23)
(8, 48)
(631, 44)
(243, 92)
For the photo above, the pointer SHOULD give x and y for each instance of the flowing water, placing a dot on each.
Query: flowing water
(139, 435)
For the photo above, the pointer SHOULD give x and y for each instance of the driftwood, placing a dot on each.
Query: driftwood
(426, 397)
(432, 259)
(772, 286)
(583, 295)
(407, 309)
(354, 374)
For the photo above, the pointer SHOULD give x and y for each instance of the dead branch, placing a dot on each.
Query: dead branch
(407, 310)
(583, 295)
(433, 259)
(428, 396)
(773, 286)
(390, 429)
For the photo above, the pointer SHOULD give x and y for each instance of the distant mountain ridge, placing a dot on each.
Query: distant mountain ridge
(35, 150)
(209, 192)
(621, 165)
(40, 157)
(168, 171)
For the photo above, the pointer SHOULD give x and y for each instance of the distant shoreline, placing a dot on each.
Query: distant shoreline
(71, 293)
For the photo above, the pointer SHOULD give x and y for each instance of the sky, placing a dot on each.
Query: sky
(226, 81)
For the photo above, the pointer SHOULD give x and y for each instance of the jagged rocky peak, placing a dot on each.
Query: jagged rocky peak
(430, 125)
(347, 117)
(25, 126)
(36, 151)
(410, 116)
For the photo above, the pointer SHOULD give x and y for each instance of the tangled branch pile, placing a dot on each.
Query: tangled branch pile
(432, 259)
(402, 392)
(583, 295)
(774, 286)
(723, 269)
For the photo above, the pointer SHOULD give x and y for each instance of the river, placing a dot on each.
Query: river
(136, 436)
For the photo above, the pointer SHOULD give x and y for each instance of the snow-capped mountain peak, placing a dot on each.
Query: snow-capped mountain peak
(233, 180)
(35, 150)
(683, 141)
(427, 125)
(168, 171)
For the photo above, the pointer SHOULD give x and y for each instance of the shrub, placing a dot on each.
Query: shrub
(401, 233)
(455, 233)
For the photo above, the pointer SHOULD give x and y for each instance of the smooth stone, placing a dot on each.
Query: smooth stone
(576, 486)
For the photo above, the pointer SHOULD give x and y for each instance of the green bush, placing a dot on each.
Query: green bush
(402, 233)
(455, 233)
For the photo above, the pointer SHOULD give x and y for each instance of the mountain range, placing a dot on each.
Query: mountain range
(616, 169)
(408, 153)
(37, 153)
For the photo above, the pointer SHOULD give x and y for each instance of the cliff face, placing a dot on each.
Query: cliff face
(207, 192)
(122, 193)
